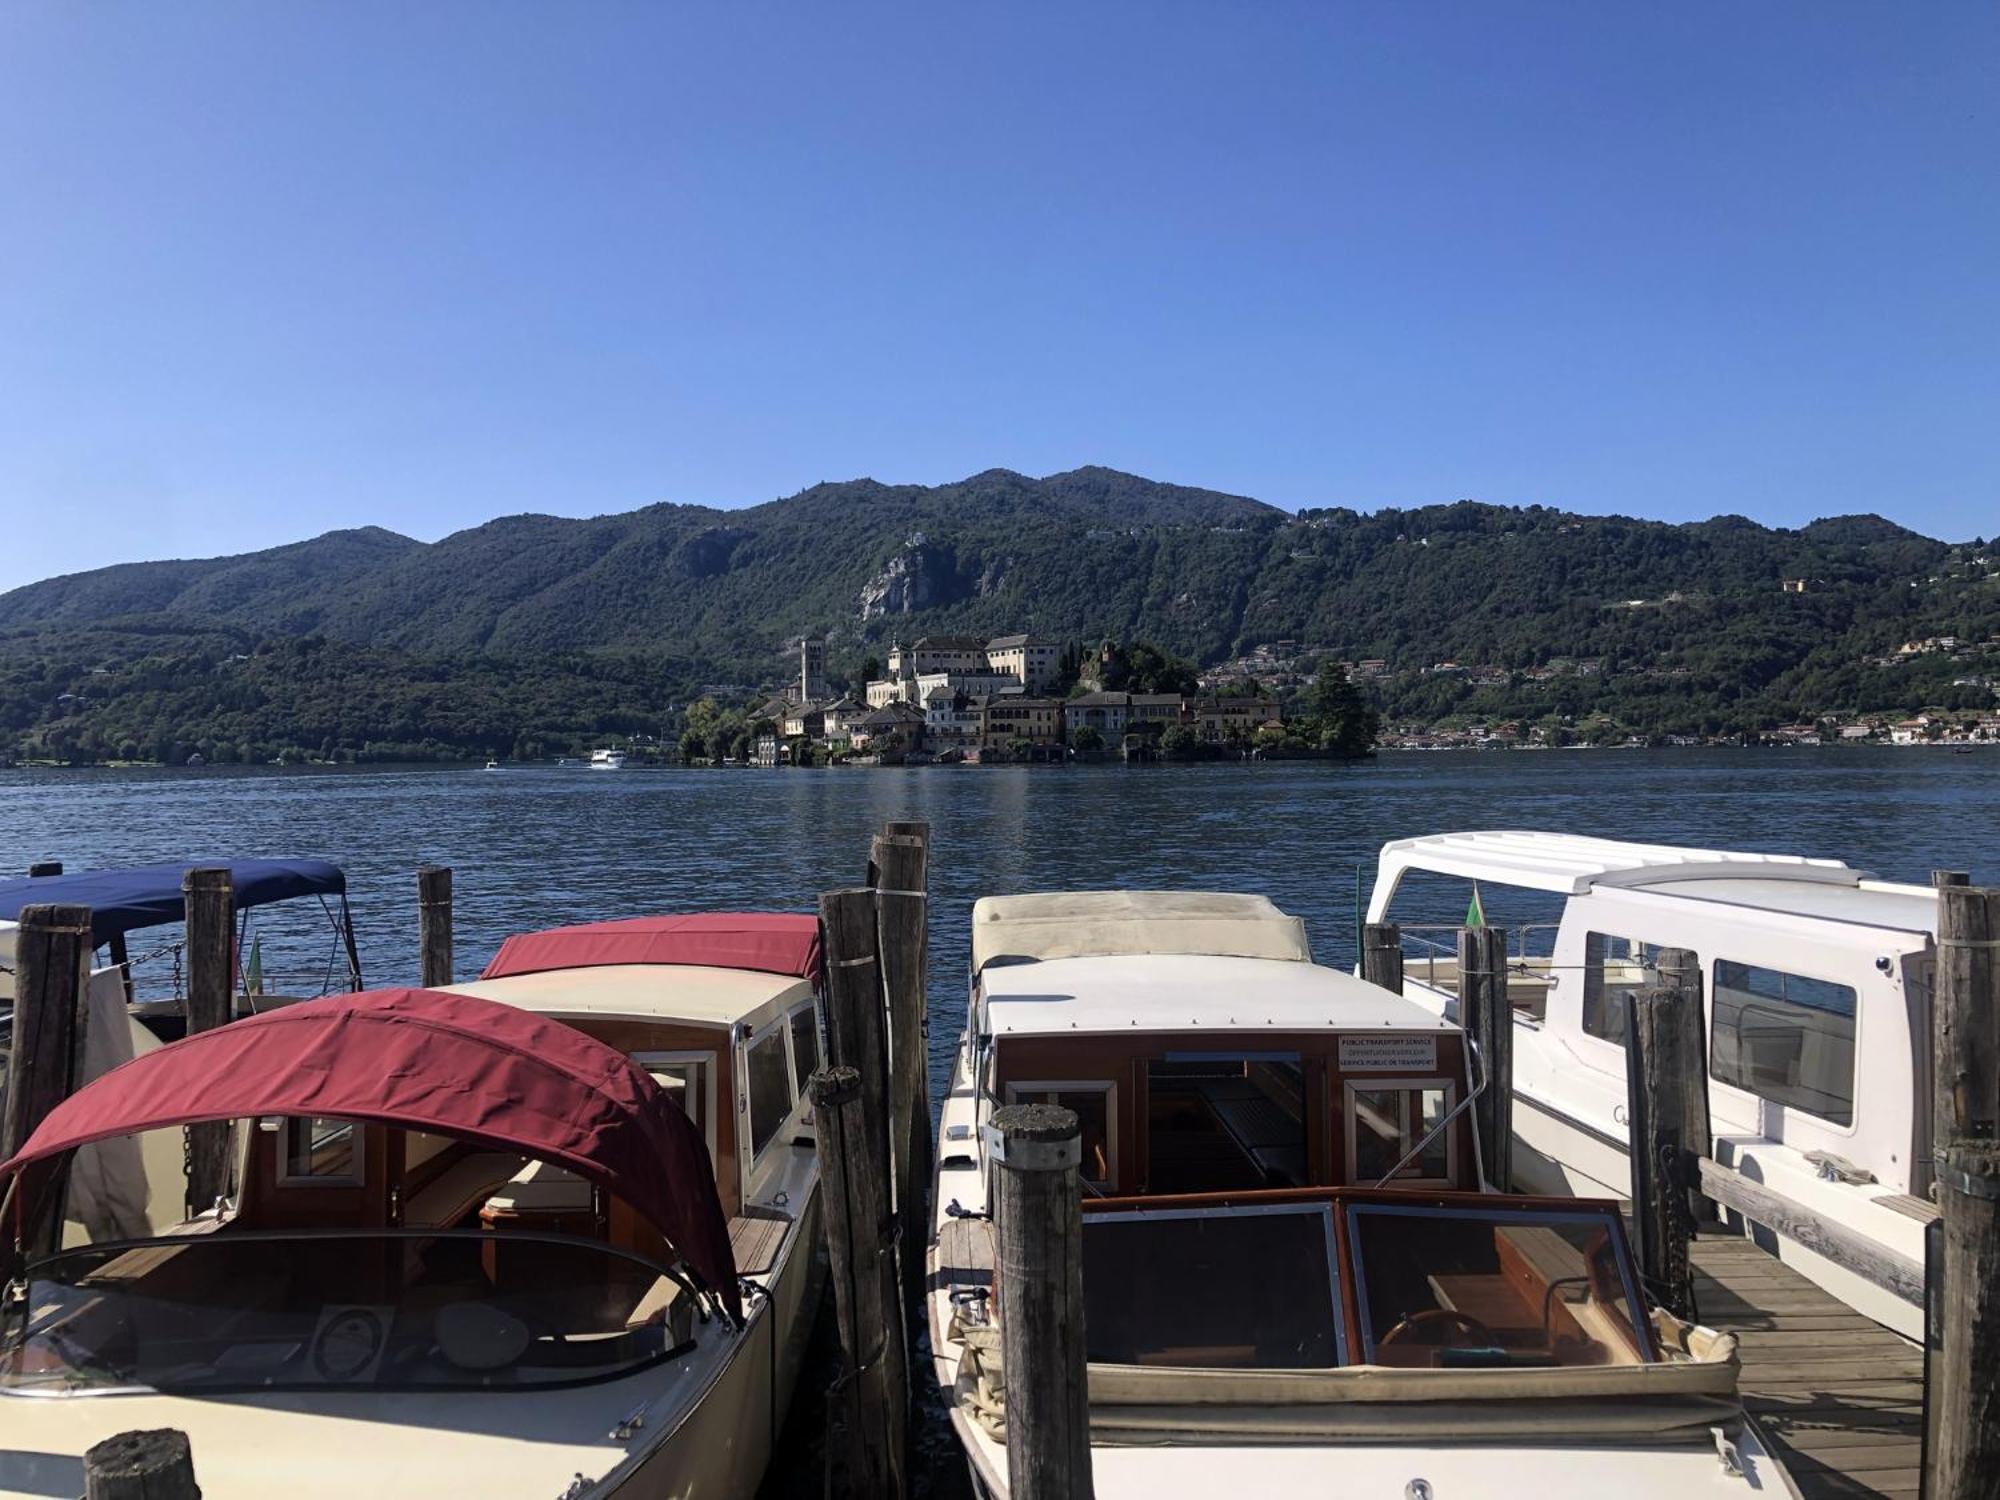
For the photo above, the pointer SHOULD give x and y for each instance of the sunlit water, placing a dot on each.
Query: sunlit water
(538, 847)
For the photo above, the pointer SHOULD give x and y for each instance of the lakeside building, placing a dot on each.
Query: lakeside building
(1006, 719)
(965, 664)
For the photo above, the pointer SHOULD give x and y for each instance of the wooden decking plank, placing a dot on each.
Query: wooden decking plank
(1840, 1397)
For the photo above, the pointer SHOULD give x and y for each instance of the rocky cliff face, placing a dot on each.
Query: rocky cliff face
(920, 575)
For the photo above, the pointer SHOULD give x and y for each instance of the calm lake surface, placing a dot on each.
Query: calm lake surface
(536, 847)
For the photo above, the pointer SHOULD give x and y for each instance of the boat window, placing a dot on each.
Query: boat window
(1248, 1287)
(770, 1088)
(1785, 1038)
(1385, 1121)
(683, 1078)
(1225, 1122)
(1095, 1105)
(805, 1046)
(377, 1309)
(1613, 967)
(320, 1152)
(1468, 1288)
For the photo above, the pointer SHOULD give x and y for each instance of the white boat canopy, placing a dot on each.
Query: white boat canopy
(1571, 864)
(1098, 924)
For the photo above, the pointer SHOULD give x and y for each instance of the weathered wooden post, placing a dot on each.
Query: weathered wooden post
(1667, 1124)
(43, 867)
(211, 999)
(1038, 1274)
(434, 924)
(873, 1389)
(856, 1021)
(1965, 1392)
(1488, 1021)
(902, 911)
(1382, 955)
(150, 1465)
(51, 971)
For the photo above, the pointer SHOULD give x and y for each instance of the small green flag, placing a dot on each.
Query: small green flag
(1475, 914)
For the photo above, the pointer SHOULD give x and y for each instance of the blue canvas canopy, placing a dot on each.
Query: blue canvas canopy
(126, 900)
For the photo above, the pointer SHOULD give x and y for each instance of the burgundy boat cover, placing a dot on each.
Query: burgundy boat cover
(767, 942)
(423, 1060)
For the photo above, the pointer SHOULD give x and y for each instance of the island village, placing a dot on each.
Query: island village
(953, 698)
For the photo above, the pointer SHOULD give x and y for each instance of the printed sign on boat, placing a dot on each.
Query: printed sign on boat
(1392, 1052)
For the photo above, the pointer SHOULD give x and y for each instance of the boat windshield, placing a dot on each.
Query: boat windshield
(383, 1310)
(1467, 1287)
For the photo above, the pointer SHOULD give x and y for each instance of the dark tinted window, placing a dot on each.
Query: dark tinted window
(770, 1089)
(1219, 1288)
(1784, 1038)
(1225, 1124)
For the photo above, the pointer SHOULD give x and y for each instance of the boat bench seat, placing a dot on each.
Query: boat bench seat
(458, 1190)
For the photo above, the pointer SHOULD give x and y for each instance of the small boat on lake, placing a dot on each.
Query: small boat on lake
(1800, 959)
(548, 1233)
(607, 760)
(1293, 1282)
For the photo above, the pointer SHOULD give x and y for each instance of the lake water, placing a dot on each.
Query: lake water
(539, 847)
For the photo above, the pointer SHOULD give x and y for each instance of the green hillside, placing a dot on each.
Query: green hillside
(536, 630)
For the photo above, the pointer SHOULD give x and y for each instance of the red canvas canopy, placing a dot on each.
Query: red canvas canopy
(424, 1060)
(768, 942)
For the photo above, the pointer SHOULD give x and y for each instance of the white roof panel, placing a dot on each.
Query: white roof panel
(664, 992)
(1075, 924)
(1873, 903)
(1179, 992)
(1572, 863)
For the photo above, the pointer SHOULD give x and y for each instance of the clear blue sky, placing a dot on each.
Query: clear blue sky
(268, 269)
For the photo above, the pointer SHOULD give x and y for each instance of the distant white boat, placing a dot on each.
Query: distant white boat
(493, 765)
(607, 760)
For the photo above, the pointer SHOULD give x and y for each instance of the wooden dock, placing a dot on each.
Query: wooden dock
(1841, 1397)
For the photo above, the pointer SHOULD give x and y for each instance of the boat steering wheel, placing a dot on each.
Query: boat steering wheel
(1426, 1327)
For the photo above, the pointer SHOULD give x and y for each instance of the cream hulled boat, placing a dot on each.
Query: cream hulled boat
(551, 1233)
(1292, 1282)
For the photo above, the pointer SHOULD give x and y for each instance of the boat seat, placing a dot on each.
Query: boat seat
(458, 1190)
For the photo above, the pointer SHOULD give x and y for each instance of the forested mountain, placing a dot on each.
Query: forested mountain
(528, 627)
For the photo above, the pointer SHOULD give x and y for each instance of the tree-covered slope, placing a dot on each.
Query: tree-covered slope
(1691, 623)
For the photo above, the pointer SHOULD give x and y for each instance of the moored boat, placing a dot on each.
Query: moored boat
(1292, 1280)
(551, 1232)
(607, 760)
(1801, 960)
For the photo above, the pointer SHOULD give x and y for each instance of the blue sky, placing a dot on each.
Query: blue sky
(267, 270)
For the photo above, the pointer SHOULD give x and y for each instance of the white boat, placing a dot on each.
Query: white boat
(549, 1233)
(1805, 963)
(1292, 1283)
(607, 760)
(493, 765)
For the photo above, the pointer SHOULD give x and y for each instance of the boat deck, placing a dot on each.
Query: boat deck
(1841, 1397)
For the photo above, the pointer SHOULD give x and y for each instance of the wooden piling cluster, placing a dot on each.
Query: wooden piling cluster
(1964, 1457)
(872, 1113)
(1666, 1082)
(1036, 1151)
(1382, 955)
(211, 1002)
(1488, 1021)
(434, 925)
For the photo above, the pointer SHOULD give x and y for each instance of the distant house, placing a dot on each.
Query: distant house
(1104, 712)
(896, 727)
(1031, 662)
(807, 719)
(1215, 720)
(1005, 719)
